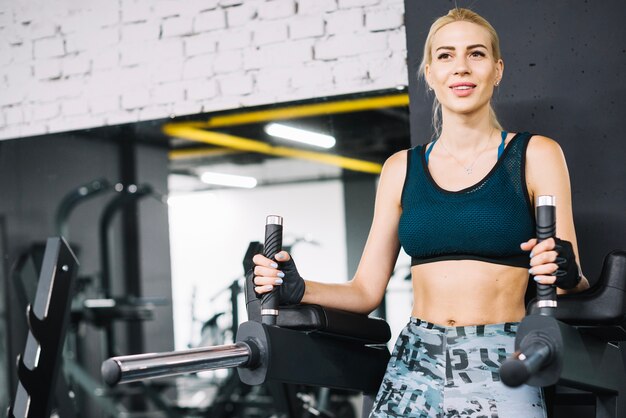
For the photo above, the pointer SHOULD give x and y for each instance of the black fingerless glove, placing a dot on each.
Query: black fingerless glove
(568, 274)
(291, 291)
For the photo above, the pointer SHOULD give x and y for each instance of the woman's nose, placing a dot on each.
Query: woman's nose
(460, 66)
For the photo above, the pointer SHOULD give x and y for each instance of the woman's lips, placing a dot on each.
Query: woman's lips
(462, 89)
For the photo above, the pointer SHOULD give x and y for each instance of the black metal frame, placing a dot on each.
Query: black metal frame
(48, 318)
(6, 380)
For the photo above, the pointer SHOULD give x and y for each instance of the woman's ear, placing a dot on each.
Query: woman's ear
(427, 76)
(499, 71)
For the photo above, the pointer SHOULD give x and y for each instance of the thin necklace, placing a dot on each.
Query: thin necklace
(468, 170)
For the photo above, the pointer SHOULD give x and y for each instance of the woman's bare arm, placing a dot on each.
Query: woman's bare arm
(547, 174)
(365, 291)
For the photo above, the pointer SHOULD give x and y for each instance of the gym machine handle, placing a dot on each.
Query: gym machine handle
(125, 369)
(273, 245)
(536, 350)
(546, 228)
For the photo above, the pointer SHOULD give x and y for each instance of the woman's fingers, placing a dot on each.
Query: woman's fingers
(266, 284)
(263, 289)
(266, 272)
(261, 260)
(536, 248)
(282, 256)
(267, 280)
(545, 279)
(528, 245)
(543, 246)
(543, 269)
(543, 258)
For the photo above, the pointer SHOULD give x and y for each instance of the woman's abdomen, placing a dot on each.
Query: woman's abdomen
(468, 292)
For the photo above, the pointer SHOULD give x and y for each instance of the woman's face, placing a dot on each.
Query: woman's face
(463, 71)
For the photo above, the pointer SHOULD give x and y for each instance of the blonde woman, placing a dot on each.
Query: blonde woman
(462, 208)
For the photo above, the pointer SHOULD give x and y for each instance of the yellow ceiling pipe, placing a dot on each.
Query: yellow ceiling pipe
(180, 130)
(186, 153)
(306, 110)
(196, 130)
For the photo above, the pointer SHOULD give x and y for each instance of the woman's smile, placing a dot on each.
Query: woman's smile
(462, 89)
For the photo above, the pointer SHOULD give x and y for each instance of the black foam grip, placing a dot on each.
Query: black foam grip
(273, 240)
(514, 373)
(546, 228)
(273, 245)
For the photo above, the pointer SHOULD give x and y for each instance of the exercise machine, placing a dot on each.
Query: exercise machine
(74, 380)
(305, 344)
(48, 316)
(574, 340)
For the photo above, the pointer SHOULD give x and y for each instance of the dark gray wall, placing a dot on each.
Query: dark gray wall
(359, 193)
(35, 174)
(4, 348)
(154, 255)
(565, 62)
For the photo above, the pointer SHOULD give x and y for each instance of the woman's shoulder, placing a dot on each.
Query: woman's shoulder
(392, 175)
(546, 169)
(397, 160)
(543, 149)
(395, 167)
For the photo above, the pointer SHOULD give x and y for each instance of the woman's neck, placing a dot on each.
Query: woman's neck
(466, 133)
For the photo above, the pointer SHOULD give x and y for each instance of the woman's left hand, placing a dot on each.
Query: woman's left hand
(542, 260)
(553, 264)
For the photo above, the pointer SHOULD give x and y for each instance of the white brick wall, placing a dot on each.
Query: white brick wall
(200, 44)
(384, 18)
(276, 9)
(176, 26)
(239, 16)
(211, 20)
(71, 64)
(270, 32)
(306, 27)
(316, 6)
(344, 21)
(236, 39)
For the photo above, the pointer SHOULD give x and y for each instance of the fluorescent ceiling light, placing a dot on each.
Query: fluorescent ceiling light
(228, 180)
(300, 135)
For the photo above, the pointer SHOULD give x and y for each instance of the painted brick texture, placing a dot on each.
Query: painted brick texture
(68, 65)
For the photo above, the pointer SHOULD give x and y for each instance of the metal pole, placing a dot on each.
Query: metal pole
(124, 369)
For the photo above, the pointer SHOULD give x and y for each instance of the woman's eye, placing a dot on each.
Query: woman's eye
(444, 55)
(477, 54)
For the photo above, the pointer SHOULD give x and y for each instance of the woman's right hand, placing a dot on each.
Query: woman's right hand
(280, 272)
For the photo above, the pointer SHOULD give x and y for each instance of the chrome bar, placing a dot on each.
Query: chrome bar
(125, 369)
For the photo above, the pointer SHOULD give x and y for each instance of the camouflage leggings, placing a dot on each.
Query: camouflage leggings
(437, 371)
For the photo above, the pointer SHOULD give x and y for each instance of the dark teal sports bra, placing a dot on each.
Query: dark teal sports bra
(487, 221)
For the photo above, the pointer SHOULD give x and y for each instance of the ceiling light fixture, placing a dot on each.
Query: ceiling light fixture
(300, 135)
(230, 180)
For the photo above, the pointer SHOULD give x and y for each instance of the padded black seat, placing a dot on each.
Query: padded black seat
(340, 324)
(600, 310)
